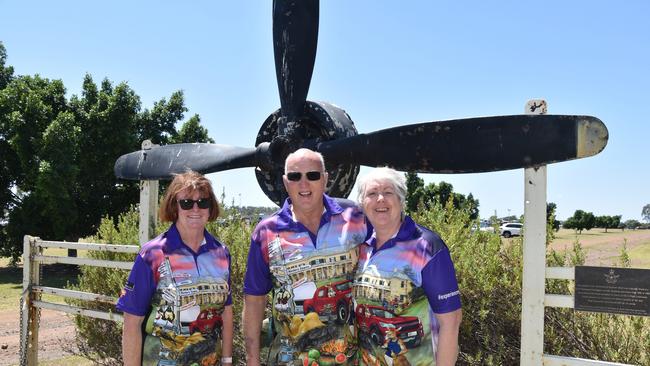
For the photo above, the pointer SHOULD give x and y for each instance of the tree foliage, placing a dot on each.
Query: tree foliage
(608, 222)
(427, 196)
(551, 209)
(631, 224)
(57, 155)
(580, 220)
(645, 213)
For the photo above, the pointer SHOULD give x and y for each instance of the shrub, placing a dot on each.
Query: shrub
(101, 340)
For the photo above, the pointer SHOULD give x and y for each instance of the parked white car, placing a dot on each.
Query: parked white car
(511, 228)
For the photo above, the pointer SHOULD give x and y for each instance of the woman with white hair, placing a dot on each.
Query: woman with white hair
(408, 307)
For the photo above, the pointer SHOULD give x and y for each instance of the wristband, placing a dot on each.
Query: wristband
(226, 360)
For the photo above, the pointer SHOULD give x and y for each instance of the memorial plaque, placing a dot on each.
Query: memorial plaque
(612, 290)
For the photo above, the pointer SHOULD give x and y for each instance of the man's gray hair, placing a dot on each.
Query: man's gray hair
(384, 174)
(305, 151)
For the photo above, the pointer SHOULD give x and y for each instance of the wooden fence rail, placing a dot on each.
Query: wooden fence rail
(31, 302)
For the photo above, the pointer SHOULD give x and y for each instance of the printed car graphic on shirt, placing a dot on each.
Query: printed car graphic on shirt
(329, 300)
(376, 322)
(207, 322)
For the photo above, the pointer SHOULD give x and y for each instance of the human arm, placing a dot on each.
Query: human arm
(448, 337)
(132, 339)
(252, 317)
(226, 333)
(135, 304)
(257, 284)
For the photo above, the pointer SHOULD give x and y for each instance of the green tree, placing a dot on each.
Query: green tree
(608, 222)
(580, 220)
(631, 224)
(551, 209)
(432, 194)
(192, 131)
(645, 213)
(57, 155)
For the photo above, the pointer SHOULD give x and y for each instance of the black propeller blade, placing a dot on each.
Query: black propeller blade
(295, 35)
(473, 145)
(164, 161)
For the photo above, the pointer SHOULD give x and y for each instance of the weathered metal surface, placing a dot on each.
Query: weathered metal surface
(320, 121)
(472, 145)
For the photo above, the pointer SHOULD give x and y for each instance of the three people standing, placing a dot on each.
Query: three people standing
(347, 288)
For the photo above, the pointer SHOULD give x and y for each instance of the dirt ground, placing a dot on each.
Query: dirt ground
(56, 335)
(603, 249)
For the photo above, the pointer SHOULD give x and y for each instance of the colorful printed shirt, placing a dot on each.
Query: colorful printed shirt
(182, 294)
(398, 289)
(310, 276)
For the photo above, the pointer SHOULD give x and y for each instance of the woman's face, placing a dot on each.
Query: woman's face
(194, 218)
(381, 205)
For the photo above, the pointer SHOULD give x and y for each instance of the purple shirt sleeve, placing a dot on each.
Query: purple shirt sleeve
(257, 280)
(439, 283)
(138, 290)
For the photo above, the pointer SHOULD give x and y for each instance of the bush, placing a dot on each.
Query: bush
(489, 277)
(101, 340)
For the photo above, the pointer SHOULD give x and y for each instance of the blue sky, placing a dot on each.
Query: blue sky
(386, 63)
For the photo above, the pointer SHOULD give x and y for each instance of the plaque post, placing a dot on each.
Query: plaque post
(534, 252)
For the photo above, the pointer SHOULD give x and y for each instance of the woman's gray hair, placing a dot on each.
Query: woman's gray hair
(384, 174)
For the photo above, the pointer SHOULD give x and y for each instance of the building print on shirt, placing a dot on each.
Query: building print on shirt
(186, 316)
(312, 301)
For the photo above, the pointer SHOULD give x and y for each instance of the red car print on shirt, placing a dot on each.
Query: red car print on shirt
(375, 321)
(332, 299)
(207, 322)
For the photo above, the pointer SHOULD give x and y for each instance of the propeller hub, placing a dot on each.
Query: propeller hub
(320, 121)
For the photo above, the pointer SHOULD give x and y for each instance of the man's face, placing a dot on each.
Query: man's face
(306, 195)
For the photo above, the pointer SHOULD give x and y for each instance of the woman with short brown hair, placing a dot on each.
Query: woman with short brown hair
(179, 287)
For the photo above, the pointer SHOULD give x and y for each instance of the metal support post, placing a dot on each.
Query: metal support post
(534, 256)
(148, 204)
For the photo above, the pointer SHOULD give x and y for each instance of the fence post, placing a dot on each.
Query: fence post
(148, 204)
(534, 256)
(29, 315)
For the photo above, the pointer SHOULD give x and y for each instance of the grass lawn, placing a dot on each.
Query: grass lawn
(604, 248)
(53, 275)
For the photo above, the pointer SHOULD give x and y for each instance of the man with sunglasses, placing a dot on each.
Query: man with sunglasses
(307, 254)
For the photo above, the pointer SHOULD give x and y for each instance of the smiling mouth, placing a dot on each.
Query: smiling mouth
(304, 194)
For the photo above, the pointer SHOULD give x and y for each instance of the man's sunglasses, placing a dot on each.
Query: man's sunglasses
(188, 204)
(295, 176)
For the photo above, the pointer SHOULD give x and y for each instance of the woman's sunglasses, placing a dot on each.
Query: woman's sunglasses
(295, 176)
(188, 204)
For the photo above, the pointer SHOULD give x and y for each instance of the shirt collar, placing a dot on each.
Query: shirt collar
(174, 240)
(285, 216)
(407, 230)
